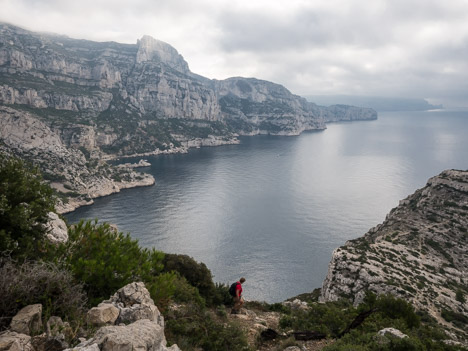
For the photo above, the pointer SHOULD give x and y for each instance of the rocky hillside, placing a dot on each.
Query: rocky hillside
(418, 253)
(94, 101)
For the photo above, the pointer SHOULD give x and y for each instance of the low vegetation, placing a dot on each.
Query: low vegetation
(97, 260)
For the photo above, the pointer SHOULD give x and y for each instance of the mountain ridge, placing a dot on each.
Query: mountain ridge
(106, 100)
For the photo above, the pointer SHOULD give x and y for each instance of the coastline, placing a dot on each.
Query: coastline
(186, 144)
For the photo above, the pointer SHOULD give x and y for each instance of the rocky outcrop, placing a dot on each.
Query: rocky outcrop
(69, 171)
(255, 106)
(140, 325)
(418, 253)
(28, 320)
(57, 231)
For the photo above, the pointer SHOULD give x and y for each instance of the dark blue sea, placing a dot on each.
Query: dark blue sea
(272, 209)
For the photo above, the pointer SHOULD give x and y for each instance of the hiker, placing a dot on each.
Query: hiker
(236, 293)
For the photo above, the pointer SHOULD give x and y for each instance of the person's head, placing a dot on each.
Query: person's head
(242, 280)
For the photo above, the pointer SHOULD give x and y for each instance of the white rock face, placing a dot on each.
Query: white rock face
(418, 253)
(150, 49)
(57, 231)
(28, 320)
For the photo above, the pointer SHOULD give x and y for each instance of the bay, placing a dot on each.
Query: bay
(272, 209)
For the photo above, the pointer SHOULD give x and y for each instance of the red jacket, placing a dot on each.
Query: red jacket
(239, 288)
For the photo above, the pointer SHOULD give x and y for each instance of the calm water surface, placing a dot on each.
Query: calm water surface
(272, 209)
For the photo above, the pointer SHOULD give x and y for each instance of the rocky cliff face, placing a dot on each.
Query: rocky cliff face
(418, 253)
(136, 97)
(77, 178)
(81, 102)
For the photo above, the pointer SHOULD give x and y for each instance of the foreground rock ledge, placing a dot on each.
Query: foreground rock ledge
(132, 304)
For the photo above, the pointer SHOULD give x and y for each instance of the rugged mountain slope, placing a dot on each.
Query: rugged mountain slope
(142, 97)
(77, 179)
(103, 100)
(420, 252)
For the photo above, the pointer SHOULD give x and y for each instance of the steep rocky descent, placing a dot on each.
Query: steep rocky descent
(79, 179)
(420, 253)
(252, 106)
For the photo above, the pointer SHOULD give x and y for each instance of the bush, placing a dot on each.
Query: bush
(192, 327)
(330, 318)
(25, 201)
(105, 260)
(38, 282)
(198, 275)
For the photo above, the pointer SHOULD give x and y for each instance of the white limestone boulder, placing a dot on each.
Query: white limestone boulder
(104, 313)
(28, 320)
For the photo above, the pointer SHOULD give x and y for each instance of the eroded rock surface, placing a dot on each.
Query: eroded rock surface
(419, 253)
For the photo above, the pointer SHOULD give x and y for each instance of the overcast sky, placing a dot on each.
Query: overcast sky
(404, 48)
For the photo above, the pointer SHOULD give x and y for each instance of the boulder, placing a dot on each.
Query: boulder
(132, 294)
(142, 335)
(28, 320)
(12, 341)
(104, 313)
(57, 231)
(134, 303)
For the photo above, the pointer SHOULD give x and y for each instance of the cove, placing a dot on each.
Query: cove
(272, 209)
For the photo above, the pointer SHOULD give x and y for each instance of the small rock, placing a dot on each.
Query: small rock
(28, 320)
(103, 314)
(392, 332)
(12, 341)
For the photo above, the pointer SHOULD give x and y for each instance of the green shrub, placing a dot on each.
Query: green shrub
(25, 201)
(330, 318)
(105, 260)
(186, 293)
(192, 327)
(198, 275)
(460, 296)
(38, 282)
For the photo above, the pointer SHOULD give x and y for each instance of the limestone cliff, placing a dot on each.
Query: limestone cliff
(81, 102)
(419, 253)
(136, 97)
(77, 179)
